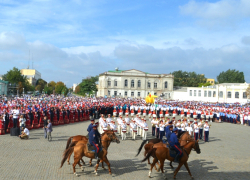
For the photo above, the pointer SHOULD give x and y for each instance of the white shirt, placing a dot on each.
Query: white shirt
(162, 127)
(127, 120)
(26, 131)
(206, 127)
(15, 113)
(196, 128)
(189, 129)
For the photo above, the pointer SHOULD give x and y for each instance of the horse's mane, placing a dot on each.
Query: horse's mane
(182, 133)
(107, 132)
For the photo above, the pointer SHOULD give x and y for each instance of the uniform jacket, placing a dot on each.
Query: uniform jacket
(173, 140)
(94, 137)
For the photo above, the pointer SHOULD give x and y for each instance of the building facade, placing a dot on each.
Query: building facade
(3, 87)
(32, 75)
(225, 92)
(212, 81)
(134, 83)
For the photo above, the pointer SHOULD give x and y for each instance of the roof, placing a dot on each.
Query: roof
(6, 82)
(119, 71)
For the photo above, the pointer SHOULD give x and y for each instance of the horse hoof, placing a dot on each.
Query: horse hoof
(158, 170)
(68, 163)
(104, 168)
(96, 174)
(76, 174)
(192, 177)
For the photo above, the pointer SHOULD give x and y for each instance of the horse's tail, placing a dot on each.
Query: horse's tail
(140, 148)
(150, 153)
(66, 154)
(68, 142)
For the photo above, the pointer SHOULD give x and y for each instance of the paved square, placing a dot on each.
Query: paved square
(226, 156)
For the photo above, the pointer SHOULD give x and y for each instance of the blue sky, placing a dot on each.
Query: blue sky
(73, 39)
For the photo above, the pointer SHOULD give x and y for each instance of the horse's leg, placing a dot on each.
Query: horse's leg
(76, 161)
(103, 165)
(105, 159)
(96, 167)
(83, 162)
(152, 165)
(177, 169)
(69, 158)
(171, 164)
(90, 162)
(186, 165)
(159, 167)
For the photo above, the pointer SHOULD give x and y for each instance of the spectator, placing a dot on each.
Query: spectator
(45, 124)
(25, 133)
(49, 130)
(22, 121)
(15, 116)
(6, 119)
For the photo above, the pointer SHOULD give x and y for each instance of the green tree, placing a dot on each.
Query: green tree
(65, 91)
(88, 85)
(40, 85)
(52, 84)
(59, 87)
(188, 79)
(204, 84)
(231, 76)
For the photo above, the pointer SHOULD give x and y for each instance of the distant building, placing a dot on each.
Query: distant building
(74, 87)
(134, 83)
(3, 87)
(32, 75)
(225, 92)
(211, 81)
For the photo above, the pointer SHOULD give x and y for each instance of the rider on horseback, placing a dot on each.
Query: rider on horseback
(174, 143)
(94, 137)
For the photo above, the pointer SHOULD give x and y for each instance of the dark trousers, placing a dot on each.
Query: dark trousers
(157, 132)
(206, 133)
(161, 134)
(200, 133)
(178, 150)
(15, 122)
(6, 123)
(45, 132)
(153, 131)
(196, 135)
(185, 114)
(191, 115)
(231, 120)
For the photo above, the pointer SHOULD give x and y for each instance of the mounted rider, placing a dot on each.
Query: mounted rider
(174, 143)
(94, 139)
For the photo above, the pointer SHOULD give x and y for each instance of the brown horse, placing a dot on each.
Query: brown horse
(77, 138)
(161, 153)
(80, 149)
(183, 137)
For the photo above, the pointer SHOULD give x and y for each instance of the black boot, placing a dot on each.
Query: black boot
(176, 159)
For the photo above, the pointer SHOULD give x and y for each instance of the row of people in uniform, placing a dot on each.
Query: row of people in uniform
(134, 126)
(195, 128)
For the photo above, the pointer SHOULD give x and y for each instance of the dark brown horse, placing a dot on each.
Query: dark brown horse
(161, 153)
(80, 149)
(183, 137)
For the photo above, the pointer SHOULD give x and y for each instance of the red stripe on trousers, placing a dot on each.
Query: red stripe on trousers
(178, 149)
(96, 147)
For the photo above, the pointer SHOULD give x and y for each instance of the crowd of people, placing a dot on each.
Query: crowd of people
(136, 111)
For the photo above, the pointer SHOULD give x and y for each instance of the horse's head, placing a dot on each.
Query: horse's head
(197, 147)
(112, 137)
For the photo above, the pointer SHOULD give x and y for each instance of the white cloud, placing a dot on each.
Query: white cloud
(223, 12)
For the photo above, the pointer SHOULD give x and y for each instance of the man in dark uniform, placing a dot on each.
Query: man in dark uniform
(91, 125)
(169, 130)
(174, 143)
(51, 111)
(31, 116)
(94, 140)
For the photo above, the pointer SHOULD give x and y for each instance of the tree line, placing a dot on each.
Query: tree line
(14, 76)
(192, 79)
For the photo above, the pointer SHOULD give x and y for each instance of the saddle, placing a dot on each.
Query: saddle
(91, 148)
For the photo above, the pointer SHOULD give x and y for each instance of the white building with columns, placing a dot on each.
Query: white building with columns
(225, 92)
(134, 83)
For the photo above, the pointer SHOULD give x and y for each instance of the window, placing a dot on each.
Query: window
(237, 95)
(139, 83)
(221, 94)
(132, 94)
(209, 93)
(166, 84)
(229, 94)
(132, 83)
(126, 93)
(205, 93)
(138, 94)
(194, 92)
(109, 83)
(115, 83)
(199, 93)
(214, 93)
(190, 92)
(109, 93)
(244, 95)
(149, 85)
(155, 85)
(155, 93)
(115, 93)
(126, 83)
